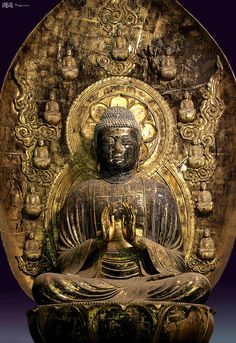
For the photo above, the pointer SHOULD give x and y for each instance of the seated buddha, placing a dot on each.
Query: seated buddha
(41, 159)
(206, 250)
(120, 50)
(197, 157)
(33, 206)
(204, 200)
(69, 66)
(120, 238)
(52, 114)
(168, 67)
(187, 112)
(32, 249)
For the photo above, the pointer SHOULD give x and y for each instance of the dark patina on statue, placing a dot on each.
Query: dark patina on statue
(121, 239)
(121, 235)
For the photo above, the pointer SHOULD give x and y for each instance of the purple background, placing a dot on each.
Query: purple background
(218, 17)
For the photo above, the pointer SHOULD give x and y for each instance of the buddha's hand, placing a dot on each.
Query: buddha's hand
(128, 223)
(108, 224)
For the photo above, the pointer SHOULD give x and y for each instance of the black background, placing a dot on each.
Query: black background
(218, 17)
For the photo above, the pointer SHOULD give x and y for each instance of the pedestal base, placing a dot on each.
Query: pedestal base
(159, 322)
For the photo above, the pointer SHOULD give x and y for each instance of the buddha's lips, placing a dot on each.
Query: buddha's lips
(118, 158)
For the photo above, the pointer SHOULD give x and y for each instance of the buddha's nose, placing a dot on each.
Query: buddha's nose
(119, 147)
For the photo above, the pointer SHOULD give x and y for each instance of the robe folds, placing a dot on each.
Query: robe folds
(157, 226)
(151, 269)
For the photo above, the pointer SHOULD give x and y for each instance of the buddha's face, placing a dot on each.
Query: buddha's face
(118, 150)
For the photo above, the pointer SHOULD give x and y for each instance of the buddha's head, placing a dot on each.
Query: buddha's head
(32, 189)
(118, 142)
(52, 96)
(168, 51)
(187, 95)
(69, 52)
(206, 233)
(41, 142)
(31, 235)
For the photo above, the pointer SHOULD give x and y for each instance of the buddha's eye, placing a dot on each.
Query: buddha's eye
(127, 141)
(108, 141)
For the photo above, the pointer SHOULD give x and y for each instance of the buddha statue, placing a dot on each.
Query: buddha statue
(168, 67)
(41, 159)
(207, 249)
(187, 112)
(120, 237)
(69, 66)
(32, 250)
(15, 204)
(204, 200)
(196, 157)
(120, 49)
(33, 206)
(52, 114)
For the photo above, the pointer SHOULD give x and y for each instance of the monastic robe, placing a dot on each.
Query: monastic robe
(157, 220)
(151, 270)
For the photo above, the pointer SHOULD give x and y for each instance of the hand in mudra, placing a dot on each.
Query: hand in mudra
(128, 223)
(108, 224)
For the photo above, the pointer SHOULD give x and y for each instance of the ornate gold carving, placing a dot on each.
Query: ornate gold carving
(200, 266)
(147, 105)
(204, 259)
(202, 131)
(32, 248)
(117, 53)
(187, 112)
(204, 204)
(52, 114)
(116, 12)
(41, 159)
(168, 67)
(69, 69)
(37, 256)
(155, 117)
(29, 131)
(32, 206)
(105, 36)
(206, 250)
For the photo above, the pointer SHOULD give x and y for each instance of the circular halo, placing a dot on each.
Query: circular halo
(96, 111)
(148, 106)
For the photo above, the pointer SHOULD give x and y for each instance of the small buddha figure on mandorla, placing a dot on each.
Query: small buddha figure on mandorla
(33, 206)
(52, 114)
(197, 157)
(32, 249)
(168, 67)
(120, 50)
(207, 249)
(204, 203)
(41, 159)
(120, 238)
(69, 69)
(187, 112)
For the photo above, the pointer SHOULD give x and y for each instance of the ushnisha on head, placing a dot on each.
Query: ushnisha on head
(118, 117)
(118, 140)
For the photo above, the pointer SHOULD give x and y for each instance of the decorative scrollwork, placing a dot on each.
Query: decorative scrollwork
(200, 266)
(46, 262)
(29, 130)
(116, 12)
(33, 268)
(117, 53)
(201, 133)
(25, 135)
(24, 103)
(116, 67)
